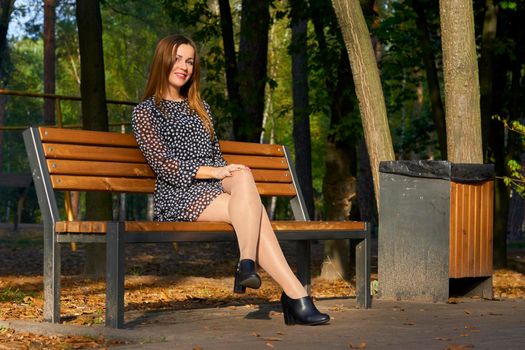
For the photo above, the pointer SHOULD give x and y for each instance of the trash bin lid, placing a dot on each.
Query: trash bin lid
(439, 169)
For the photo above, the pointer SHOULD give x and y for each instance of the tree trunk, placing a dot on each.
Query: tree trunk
(49, 60)
(462, 101)
(301, 114)
(94, 115)
(92, 86)
(367, 83)
(365, 187)
(6, 7)
(232, 84)
(253, 51)
(434, 91)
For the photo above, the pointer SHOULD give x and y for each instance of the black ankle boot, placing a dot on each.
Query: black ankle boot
(301, 311)
(246, 276)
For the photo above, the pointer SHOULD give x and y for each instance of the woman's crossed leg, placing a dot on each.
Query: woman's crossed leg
(241, 206)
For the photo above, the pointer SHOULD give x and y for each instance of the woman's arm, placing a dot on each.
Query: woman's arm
(176, 172)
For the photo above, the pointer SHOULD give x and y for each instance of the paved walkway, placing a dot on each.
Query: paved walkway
(468, 324)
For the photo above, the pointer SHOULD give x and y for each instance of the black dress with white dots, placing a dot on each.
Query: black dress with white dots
(175, 144)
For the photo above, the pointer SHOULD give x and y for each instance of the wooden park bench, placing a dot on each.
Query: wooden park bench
(78, 160)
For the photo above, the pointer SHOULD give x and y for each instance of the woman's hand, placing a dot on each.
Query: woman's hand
(226, 171)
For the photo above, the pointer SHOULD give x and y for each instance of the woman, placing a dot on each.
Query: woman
(174, 130)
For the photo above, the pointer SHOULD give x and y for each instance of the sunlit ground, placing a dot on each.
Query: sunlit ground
(164, 276)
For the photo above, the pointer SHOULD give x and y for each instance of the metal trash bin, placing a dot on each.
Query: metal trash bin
(435, 230)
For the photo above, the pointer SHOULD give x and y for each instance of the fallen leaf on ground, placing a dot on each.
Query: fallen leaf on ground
(361, 345)
(458, 347)
(442, 338)
(272, 339)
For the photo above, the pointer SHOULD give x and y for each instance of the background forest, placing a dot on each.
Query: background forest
(275, 71)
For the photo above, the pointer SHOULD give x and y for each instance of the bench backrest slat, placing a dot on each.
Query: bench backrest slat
(82, 152)
(257, 162)
(83, 137)
(257, 149)
(142, 185)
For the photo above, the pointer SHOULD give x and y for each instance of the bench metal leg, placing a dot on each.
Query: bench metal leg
(362, 272)
(304, 272)
(51, 277)
(115, 275)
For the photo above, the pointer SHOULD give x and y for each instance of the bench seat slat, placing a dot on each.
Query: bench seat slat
(143, 185)
(155, 226)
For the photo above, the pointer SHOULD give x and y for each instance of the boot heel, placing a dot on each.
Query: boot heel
(246, 276)
(237, 287)
(289, 320)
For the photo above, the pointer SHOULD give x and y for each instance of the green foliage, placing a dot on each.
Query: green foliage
(508, 5)
(516, 172)
(404, 79)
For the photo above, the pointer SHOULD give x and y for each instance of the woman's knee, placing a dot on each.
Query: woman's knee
(241, 179)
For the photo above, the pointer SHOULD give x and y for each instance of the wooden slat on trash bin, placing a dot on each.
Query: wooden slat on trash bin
(471, 229)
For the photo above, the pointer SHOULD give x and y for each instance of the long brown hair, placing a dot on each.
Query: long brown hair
(160, 69)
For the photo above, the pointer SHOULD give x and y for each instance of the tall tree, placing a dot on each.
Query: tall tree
(94, 113)
(301, 114)
(367, 84)
(253, 52)
(486, 76)
(6, 8)
(460, 66)
(230, 58)
(49, 60)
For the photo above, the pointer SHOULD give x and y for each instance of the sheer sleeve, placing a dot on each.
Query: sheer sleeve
(174, 171)
(217, 158)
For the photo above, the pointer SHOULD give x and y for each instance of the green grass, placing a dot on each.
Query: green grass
(14, 295)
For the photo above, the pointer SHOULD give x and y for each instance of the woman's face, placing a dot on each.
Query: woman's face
(183, 66)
